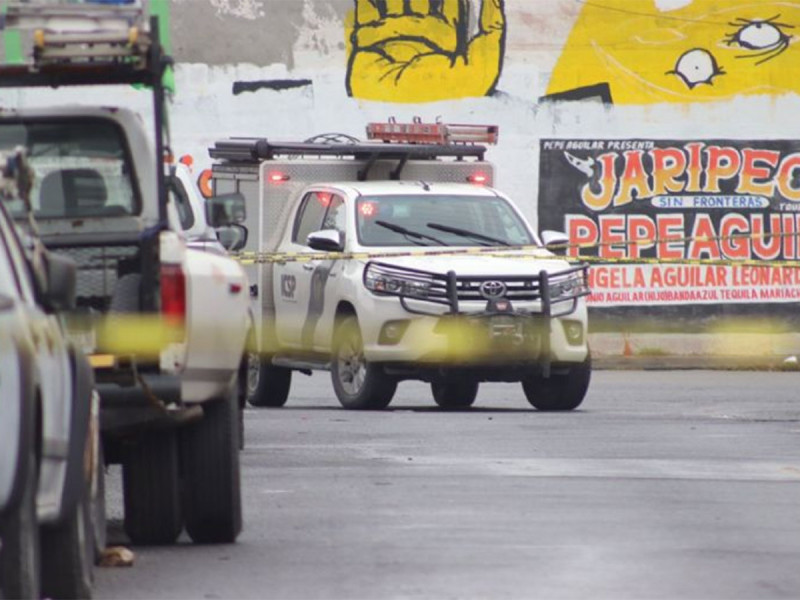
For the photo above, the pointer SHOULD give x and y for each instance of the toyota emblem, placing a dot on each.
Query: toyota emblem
(493, 289)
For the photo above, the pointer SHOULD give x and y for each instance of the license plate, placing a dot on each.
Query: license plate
(505, 328)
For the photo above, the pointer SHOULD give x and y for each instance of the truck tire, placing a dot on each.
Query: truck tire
(562, 390)
(267, 385)
(68, 554)
(151, 488)
(358, 384)
(20, 553)
(449, 392)
(211, 473)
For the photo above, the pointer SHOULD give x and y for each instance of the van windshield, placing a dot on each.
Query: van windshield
(439, 220)
(81, 167)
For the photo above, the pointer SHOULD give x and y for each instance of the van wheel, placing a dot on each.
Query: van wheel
(267, 385)
(358, 384)
(20, 553)
(449, 392)
(211, 470)
(563, 390)
(151, 489)
(68, 554)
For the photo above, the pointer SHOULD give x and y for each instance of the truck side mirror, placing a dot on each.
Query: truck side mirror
(61, 279)
(232, 237)
(326, 240)
(555, 241)
(226, 209)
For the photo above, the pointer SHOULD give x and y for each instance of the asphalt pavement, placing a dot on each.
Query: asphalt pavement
(664, 484)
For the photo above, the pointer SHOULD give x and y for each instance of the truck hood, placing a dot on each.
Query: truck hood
(517, 263)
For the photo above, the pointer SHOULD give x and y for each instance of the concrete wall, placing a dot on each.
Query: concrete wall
(485, 61)
(675, 72)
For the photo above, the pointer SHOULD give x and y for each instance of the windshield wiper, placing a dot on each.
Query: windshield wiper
(468, 233)
(409, 232)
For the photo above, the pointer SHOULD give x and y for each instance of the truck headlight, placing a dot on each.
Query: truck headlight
(384, 280)
(571, 285)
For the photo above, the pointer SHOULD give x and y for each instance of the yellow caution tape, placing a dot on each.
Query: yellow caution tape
(534, 252)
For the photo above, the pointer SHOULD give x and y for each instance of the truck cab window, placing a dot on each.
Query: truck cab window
(309, 217)
(335, 216)
(177, 195)
(81, 166)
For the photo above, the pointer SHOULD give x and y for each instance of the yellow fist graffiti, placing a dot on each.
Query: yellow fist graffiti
(423, 50)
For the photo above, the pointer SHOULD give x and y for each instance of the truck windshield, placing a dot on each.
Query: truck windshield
(81, 167)
(491, 218)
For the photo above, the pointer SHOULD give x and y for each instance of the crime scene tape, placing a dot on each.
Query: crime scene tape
(529, 251)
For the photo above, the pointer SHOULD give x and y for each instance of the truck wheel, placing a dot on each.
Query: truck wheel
(151, 489)
(358, 384)
(68, 554)
(452, 393)
(212, 479)
(560, 391)
(20, 554)
(267, 385)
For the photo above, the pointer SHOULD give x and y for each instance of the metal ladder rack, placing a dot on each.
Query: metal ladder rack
(257, 150)
(85, 44)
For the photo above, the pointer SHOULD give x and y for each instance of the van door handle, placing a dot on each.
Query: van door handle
(308, 267)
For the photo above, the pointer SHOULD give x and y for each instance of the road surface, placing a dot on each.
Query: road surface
(664, 484)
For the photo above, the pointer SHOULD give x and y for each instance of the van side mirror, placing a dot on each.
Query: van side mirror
(232, 237)
(555, 241)
(326, 240)
(61, 278)
(226, 209)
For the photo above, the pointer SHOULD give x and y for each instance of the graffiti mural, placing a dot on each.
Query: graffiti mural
(666, 51)
(424, 50)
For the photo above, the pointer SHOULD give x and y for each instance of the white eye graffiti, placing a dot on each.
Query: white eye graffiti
(767, 39)
(696, 66)
(759, 36)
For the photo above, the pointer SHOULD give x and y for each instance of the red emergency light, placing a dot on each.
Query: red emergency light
(277, 177)
(367, 209)
(478, 178)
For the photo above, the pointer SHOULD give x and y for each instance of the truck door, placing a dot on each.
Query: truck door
(299, 286)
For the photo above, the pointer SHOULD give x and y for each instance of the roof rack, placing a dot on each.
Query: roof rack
(260, 149)
(256, 150)
(85, 44)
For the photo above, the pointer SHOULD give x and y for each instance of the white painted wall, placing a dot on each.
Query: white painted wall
(204, 108)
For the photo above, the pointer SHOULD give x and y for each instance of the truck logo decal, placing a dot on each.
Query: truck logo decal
(316, 302)
(288, 286)
(493, 289)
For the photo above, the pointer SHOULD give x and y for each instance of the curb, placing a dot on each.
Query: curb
(694, 362)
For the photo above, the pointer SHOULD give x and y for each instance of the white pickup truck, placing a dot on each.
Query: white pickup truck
(432, 283)
(164, 324)
(52, 509)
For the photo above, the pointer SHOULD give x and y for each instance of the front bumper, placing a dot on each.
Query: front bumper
(537, 321)
(482, 339)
